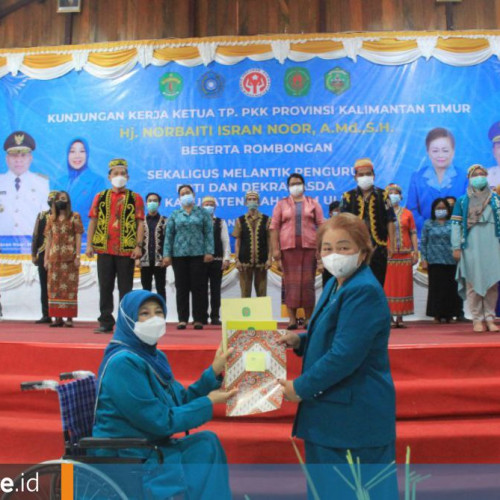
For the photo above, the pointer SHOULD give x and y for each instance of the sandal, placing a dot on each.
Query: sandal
(181, 326)
(292, 326)
(68, 323)
(57, 323)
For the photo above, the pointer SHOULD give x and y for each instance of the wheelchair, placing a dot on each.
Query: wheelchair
(87, 480)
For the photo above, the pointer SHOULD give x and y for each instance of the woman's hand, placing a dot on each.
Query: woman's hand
(89, 252)
(77, 261)
(289, 391)
(414, 257)
(225, 265)
(424, 265)
(290, 340)
(207, 258)
(457, 254)
(220, 359)
(221, 396)
(277, 255)
(167, 261)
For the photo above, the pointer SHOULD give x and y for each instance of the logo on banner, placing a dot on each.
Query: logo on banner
(337, 80)
(171, 85)
(255, 83)
(297, 82)
(211, 84)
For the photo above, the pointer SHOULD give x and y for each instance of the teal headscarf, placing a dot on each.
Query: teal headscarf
(125, 339)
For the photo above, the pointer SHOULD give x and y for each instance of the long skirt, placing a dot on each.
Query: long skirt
(399, 284)
(443, 300)
(62, 286)
(299, 271)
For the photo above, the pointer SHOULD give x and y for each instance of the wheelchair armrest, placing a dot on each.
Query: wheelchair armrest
(120, 443)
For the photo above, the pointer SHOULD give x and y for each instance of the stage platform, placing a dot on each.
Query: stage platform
(447, 384)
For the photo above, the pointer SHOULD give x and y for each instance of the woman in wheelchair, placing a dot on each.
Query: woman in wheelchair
(137, 396)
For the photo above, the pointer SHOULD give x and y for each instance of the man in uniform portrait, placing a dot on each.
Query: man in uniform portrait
(23, 194)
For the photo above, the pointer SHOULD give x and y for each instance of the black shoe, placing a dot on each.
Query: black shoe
(198, 326)
(292, 327)
(43, 319)
(104, 329)
(181, 326)
(216, 322)
(463, 319)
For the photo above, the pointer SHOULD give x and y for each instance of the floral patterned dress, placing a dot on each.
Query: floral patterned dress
(63, 273)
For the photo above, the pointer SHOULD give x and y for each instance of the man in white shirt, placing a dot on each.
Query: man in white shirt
(23, 194)
(494, 172)
(214, 269)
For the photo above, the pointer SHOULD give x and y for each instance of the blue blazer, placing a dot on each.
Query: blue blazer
(348, 397)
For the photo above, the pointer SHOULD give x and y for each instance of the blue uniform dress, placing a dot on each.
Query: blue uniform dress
(347, 391)
(138, 397)
(425, 188)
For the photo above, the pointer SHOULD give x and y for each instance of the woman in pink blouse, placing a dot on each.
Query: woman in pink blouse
(293, 233)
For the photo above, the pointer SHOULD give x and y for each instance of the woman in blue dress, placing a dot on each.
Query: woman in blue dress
(345, 392)
(138, 397)
(440, 179)
(81, 183)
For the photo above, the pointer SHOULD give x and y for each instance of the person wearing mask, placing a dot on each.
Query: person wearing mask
(189, 245)
(333, 211)
(443, 301)
(81, 182)
(213, 270)
(372, 205)
(62, 260)
(116, 234)
(345, 393)
(293, 234)
(475, 235)
(151, 262)
(139, 397)
(399, 281)
(253, 247)
(439, 178)
(38, 246)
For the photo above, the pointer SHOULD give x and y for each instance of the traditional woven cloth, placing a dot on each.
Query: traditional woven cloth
(77, 402)
(258, 391)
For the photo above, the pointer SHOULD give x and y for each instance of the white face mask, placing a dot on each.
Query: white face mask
(341, 266)
(297, 189)
(119, 181)
(366, 182)
(151, 330)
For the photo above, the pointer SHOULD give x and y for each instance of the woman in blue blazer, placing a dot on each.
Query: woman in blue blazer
(345, 392)
(138, 397)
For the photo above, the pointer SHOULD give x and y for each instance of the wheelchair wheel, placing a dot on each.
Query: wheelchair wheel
(88, 483)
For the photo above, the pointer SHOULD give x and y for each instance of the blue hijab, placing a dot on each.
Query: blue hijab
(125, 339)
(74, 173)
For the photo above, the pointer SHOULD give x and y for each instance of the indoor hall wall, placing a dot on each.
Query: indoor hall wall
(38, 24)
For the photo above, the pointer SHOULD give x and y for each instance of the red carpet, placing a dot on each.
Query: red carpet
(447, 382)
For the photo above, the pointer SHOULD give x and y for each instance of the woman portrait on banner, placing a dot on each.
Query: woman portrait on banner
(443, 301)
(293, 227)
(189, 244)
(345, 392)
(475, 236)
(399, 279)
(440, 179)
(81, 182)
(63, 231)
(138, 397)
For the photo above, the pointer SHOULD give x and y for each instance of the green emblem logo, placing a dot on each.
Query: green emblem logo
(251, 329)
(171, 85)
(338, 80)
(297, 82)
(245, 312)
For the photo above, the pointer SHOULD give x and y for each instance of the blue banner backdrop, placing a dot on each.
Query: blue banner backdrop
(229, 129)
